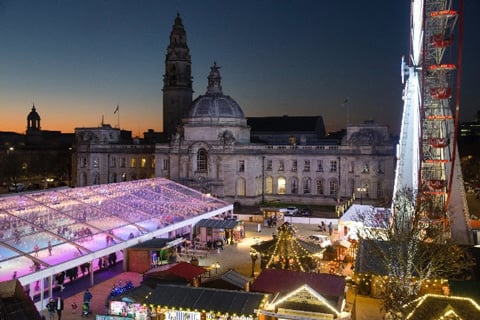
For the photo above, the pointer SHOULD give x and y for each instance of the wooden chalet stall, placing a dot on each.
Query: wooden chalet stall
(208, 231)
(176, 302)
(151, 253)
(302, 295)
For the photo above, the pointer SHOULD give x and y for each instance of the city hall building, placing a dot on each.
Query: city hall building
(210, 145)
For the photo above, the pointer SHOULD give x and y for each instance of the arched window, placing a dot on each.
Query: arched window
(294, 185)
(307, 185)
(320, 186)
(268, 185)
(241, 187)
(333, 187)
(202, 160)
(281, 184)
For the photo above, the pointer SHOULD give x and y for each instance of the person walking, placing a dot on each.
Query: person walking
(49, 248)
(330, 228)
(59, 307)
(51, 307)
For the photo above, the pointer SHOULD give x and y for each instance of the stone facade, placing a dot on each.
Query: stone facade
(215, 150)
(108, 155)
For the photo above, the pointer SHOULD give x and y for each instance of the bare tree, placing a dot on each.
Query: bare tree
(413, 249)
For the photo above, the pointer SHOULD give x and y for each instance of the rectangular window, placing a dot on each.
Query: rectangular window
(165, 164)
(294, 165)
(306, 166)
(95, 163)
(320, 165)
(281, 165)
(241, 165)
(133, 162)
(143, 162)
(351, 168)
(333, 166)
(269, 165)
(379, 190)
(83, 163)
(123, 163)
(380, 170)
(113, 162)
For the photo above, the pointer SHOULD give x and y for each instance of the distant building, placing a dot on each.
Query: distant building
(210, 145)
(36, 155)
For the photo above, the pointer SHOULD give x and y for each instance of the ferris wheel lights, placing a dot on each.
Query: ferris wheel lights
(444, 66)
(443, 13)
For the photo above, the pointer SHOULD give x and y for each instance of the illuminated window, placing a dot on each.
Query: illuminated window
(281, 184)
(143, 162)
(268, 185)
(133, 162)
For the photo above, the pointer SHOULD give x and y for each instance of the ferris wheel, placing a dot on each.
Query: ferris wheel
(427, 154)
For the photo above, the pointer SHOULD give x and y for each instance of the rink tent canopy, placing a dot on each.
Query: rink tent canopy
(39, 230)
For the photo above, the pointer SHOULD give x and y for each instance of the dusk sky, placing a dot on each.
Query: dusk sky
(76, 60)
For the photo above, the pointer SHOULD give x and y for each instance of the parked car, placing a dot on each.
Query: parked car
(306, 212)
(16, 187)
(291, 211)
(321, 239)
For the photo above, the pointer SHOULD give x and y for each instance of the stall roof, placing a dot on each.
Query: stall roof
(217, 223)
(78, 221)
(182, 270)
(217, 300)
(323, 283)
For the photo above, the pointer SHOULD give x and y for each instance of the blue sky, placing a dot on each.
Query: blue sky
(76, 60)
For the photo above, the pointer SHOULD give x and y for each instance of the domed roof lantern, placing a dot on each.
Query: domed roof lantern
(33, 115)
(214, 78)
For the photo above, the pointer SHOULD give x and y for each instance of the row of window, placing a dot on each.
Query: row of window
(321, 187)
(133, 162)
(307, 164)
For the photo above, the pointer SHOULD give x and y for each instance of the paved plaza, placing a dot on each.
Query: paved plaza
(231, 257)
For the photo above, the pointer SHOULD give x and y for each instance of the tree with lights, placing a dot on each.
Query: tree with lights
(413, 251)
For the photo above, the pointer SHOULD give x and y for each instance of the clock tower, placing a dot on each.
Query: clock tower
(177, 81)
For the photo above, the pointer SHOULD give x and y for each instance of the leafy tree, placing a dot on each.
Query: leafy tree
(414, 248)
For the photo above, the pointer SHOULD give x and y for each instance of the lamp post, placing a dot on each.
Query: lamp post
(361, 190)
(216, 265)
(253, 256)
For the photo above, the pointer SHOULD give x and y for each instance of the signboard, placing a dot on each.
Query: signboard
(109, 317)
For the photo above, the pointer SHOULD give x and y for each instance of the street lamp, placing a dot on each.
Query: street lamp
(253, 256)
(216, 265)
(361, 190)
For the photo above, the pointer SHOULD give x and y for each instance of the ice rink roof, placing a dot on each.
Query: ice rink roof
(77, 222)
